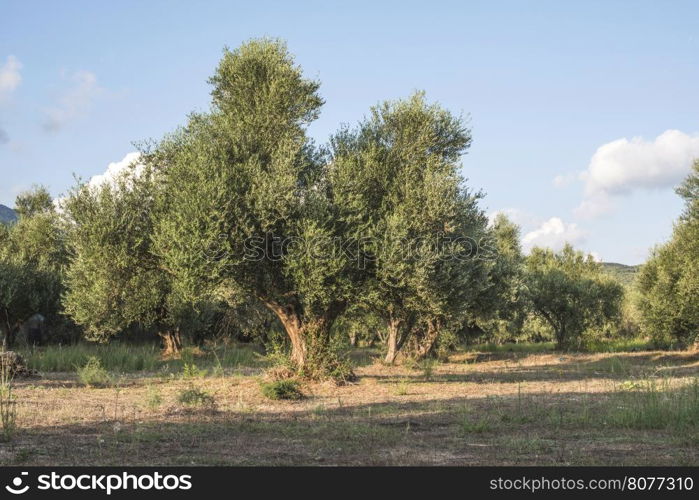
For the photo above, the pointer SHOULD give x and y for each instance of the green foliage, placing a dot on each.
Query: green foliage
(281, 389)
(402, 388)
(35, 202)
(123, 357)
(93, 374)
(669, 281)
(427, 367)
(502, 309)
(116, 357)
(190, 370)
(476, 426)
(569, 292)
(625, 275)
(689, 191)
(114, 280)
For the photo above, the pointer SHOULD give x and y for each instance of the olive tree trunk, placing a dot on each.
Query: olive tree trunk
(394, 341)
(172, 342)
(308, 336)
(428, 340)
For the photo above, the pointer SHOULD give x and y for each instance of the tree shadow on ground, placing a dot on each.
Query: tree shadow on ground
(539, 428)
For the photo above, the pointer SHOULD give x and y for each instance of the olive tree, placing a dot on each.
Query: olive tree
(396, 184)
(502, 308)
(115, 280)
(570, 293)
(33, 259)
(669, 281)
(246, 204)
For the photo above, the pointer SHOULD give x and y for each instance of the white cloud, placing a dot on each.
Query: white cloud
(623, 166)
(519, 217)
(116, 170)
(553, 233)
(10, 78)
(561, 181)
(594, 206)
(76, 102)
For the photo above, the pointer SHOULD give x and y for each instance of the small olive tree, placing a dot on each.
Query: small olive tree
(569, 292)
(115, 280)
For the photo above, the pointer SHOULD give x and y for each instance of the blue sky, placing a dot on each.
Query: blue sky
(584, 115)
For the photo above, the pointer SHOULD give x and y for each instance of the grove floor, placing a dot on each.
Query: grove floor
(477, 409)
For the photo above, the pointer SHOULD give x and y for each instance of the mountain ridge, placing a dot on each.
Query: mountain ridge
(7, 215)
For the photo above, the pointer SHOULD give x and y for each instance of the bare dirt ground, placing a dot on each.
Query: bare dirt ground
(477, 409)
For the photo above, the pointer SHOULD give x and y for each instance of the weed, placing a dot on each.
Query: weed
(281, 389)
(193, 396)
(402, 388)
(153, 399)
(8, 404)
(92, 374)
(477, 426)
(657, 406)
(427, 367)
(190, 370)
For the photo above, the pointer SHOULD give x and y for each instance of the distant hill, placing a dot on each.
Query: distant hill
(7, 215)
(621, 272)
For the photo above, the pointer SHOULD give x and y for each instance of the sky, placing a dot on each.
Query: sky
(584, 115)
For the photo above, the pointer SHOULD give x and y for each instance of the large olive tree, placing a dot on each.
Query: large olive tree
(246, 204)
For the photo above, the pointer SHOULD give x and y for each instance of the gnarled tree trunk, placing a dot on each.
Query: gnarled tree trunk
(427, 342)
(8, 340)
(394, 341)
(172, 343)
(305, 334)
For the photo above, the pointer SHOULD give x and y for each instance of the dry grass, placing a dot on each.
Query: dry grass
(480, 408)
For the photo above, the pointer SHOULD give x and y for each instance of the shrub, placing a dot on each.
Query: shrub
(281, 389)
(195, 397)
(92, 374)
